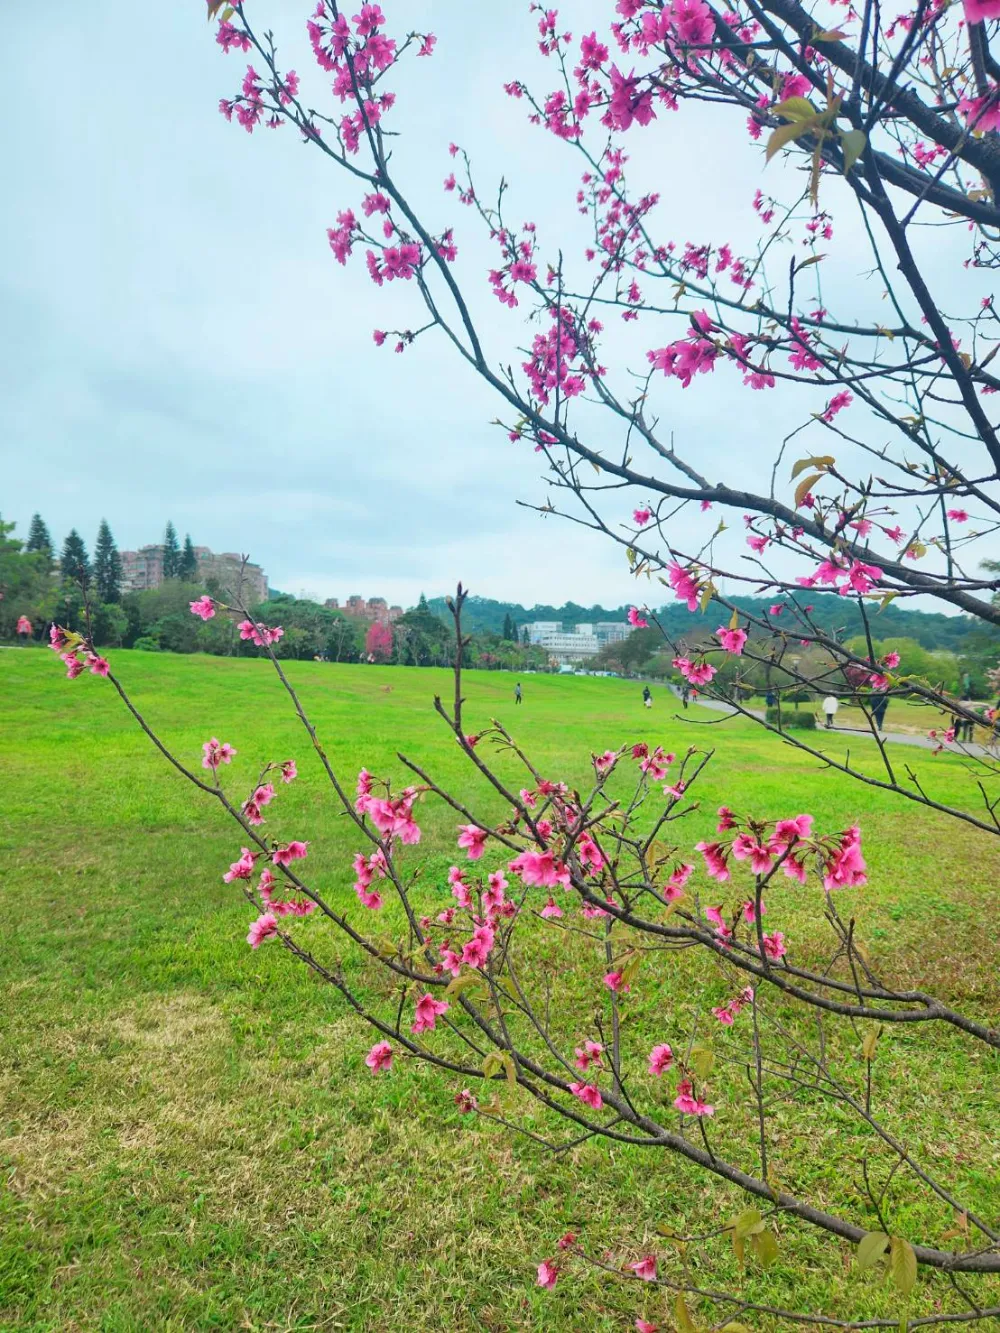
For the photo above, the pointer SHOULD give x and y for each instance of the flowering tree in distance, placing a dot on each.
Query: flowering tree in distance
(378, 642)
(882, 489)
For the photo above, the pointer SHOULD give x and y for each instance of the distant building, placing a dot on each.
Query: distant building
(572, 643)
(143, 569)
(225, 570)
(375, 608)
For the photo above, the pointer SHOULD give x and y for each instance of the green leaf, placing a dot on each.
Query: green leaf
(869, 1044)
(807, 263)
(795, 108)
(821, 461)
(701, 1061)
(707, 593)
(902, 1265)
(805, 486)
(734, 619)
(854, 143)
(786, 134)
(492, 1064)
(631, 968)
(871, 1249)
(462, 983)
(228, 13)
(766, 1246)
(682, 1316)
(749, 1223)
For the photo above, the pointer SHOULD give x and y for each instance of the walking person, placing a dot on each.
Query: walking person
(686, 695)
(880, 704)
(647, 696)
(517, 693)
(24, 629)
(830, 705)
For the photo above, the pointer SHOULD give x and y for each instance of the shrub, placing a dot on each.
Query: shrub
(794, 719)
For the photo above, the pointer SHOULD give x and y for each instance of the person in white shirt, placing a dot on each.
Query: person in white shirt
(830, 706)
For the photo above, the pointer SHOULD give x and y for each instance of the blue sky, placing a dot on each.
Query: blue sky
(178, 341)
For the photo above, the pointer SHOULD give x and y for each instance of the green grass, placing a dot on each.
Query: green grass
(188, 1134)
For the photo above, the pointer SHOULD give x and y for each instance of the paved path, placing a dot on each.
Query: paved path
(967, 748)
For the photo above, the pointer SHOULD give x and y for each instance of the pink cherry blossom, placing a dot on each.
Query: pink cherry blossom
(203, 607)
(466, 1102)
(774, 946)
(644, 1326)
(473, 839)
(787, 830)
(977, 11)
(845, 867)
(548, 1274)
(243, 868)
(588, 1094)
(427, 1012)
(540, 869)
(837, 404)
(715, 860)
(645, 1268)
(588, 1054)
(263, 928)
(891, 660)
(295, 851)
(684, 584)
(379, 1058)
(688, 1104)
(660, 1059)
(958, 515)
(216, 753)
(75, 666)
(288, 771)
(551, 908)
(99, 666)
(615, 982)
(731, 639)
(636, 620)
(642, 516)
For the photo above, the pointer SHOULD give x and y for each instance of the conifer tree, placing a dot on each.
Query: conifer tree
(171, 552)
(187, 568)
(38, 536)
(107, 566)
(74, 562)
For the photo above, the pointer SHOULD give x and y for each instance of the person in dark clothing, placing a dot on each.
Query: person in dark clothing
(770, 699)
(647, 697)
(879, 705)
(517, 693)
(685, 696)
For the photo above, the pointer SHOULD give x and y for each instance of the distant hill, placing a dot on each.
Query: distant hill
(482, 613)
(839, 616)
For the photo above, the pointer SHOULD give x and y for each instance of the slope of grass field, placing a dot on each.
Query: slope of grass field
(188, 1135)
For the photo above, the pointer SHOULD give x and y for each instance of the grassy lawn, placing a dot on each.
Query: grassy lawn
(188, 1136)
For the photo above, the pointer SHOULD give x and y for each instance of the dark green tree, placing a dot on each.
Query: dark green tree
(506, 625)
(38, 536)
(171, 552)
(74, 562)
(107, 566)
(187, 569)
(525, 636)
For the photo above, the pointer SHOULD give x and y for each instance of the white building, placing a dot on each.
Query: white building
(574, 643)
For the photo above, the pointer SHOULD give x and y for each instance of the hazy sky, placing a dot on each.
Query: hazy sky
(177, 340)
